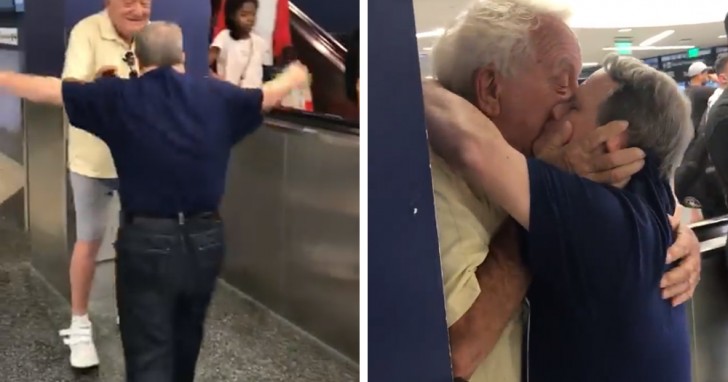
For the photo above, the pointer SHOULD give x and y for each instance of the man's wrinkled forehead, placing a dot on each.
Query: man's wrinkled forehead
(555, 44)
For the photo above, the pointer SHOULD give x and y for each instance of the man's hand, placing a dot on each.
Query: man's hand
(679, 284)
(107, 71)
(297, 74)
(586, 157)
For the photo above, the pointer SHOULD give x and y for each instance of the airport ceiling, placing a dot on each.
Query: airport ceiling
(599, 23)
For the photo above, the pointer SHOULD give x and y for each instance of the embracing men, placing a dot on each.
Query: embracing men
(593, 255)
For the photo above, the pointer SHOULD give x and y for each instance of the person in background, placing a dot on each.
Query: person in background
(172, 151)
(716, 130)
(97, 43)
(697, 91)
(236, 52)
(697, 185)
(721, 74)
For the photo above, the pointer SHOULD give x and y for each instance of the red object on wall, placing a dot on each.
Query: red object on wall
(220, 21)
(281, 31)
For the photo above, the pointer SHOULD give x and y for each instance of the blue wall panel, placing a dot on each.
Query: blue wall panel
(407, 328)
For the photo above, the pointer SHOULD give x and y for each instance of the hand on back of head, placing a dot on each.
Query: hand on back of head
(586, 157)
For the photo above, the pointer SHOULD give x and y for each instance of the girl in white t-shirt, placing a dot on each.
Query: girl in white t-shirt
(237, 52)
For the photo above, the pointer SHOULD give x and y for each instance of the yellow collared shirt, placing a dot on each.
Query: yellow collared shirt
(465, 223)
(93, 44)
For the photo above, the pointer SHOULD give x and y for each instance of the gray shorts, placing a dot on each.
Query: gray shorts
(91, 198)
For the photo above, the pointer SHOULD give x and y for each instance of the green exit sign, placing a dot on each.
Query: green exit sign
(693, 52)
(623, 47)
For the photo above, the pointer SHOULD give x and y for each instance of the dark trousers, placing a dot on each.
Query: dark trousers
(166, 273)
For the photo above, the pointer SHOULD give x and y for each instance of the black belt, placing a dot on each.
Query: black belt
(180, 218)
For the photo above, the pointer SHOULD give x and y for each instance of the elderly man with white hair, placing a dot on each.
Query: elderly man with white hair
(596, 253)
(102, 42)
(517, 62)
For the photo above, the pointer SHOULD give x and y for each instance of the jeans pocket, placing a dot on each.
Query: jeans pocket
(209, 251)
(142, 259)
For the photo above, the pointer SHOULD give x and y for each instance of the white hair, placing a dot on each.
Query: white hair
(657, 111)
(489, 32)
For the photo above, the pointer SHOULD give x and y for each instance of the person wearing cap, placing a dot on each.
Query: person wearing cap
(698, 75)
(170, 135)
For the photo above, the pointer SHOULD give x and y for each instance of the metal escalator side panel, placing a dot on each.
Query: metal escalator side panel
(325, 58)
(320, 39)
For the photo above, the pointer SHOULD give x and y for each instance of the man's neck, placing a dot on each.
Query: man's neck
(696, 83)
(179, 68)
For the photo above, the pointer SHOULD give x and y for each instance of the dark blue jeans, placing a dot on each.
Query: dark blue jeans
(166, 274)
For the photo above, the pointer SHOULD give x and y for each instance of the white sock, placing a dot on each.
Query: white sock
(80, 320)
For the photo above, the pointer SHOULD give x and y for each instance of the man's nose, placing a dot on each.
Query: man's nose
(559, 111)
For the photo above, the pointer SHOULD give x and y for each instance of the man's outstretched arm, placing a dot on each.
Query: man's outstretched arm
(503, 282)
(38, 89)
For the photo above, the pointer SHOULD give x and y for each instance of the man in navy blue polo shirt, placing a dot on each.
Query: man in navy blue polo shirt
(596, 253)
(170, 135)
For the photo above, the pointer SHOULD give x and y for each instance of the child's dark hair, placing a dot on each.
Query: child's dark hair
(231, 9)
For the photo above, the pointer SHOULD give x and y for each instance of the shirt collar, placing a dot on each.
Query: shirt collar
(108, 32)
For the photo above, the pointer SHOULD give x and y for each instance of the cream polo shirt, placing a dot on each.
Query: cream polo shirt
(93, 44)
(465, 223)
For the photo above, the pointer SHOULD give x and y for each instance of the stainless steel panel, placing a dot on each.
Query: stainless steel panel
(12, 151)
(291, 211)
(46, 193)
(253, 213)
(321, 198)
(710, 320)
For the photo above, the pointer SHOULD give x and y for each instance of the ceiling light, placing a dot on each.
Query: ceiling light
(433, 33)
(660, 36)
(675, 47)
(589, 64)
(429, 48)
(722, 36)
(624, 30)
(642, 14)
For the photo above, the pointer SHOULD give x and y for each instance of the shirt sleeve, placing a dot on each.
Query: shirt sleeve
(220, 39)
(465, 225)
(588, 240)
(79, 61)
(243, 108)
(93, 106)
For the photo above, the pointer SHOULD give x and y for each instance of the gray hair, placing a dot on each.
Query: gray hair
(657, 111)
(489, 32)
(159, 44)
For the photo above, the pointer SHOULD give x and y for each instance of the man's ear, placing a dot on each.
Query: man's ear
(617, 142)
(487, 91)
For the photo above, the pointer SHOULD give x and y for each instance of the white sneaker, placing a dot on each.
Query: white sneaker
(79, 337)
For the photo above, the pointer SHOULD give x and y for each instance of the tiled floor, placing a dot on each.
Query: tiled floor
(244, 342)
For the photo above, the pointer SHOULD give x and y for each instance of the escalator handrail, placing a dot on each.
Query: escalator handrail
(321, 40)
